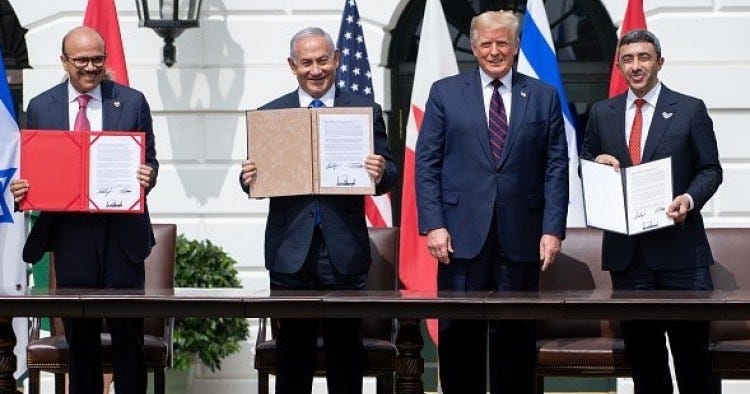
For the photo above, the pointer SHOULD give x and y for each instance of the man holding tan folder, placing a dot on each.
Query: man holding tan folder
(316, 241)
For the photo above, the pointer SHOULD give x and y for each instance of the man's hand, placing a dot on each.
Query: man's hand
(249, 172)
(439, 244)
(608, 160)
(144, 175)
(375, 165)
(679, 208)
(19, 188)
(549, 246)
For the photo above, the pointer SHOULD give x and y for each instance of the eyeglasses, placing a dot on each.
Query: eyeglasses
(83, 62)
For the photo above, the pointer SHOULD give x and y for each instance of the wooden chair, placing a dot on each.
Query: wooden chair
(50, 354)
(379, 334)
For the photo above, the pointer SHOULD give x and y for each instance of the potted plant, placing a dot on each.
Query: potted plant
(203, 264)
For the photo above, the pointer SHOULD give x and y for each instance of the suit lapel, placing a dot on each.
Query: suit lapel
(111, 106)
(663, 114)
(472, 91)
(519, 104)
(616, 121)
(59, 108)
(340, 100)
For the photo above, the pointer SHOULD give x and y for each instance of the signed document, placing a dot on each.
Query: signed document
(80, 171)
(631, 201)
(113, 163)
(301, 151)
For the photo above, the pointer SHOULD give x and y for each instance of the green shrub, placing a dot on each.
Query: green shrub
(203, 264)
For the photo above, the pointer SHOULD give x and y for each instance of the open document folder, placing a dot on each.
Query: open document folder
(630, 201)
(310, 150)
(79, 171)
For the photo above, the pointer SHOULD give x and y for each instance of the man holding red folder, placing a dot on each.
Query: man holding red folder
(99, 250)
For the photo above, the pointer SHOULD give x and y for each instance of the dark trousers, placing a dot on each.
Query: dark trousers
(98, 261)
(645, 343)
(463, 344)
(296, 339)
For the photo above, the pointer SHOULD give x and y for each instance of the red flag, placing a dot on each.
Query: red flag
(101, 16)
(634, 19)
(435, 60)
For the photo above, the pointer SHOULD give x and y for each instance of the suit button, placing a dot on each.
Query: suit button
(311, 214)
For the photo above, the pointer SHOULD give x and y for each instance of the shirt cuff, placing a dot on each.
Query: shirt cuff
(690, 198)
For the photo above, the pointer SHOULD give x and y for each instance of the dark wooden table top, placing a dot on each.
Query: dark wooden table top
(182, 302)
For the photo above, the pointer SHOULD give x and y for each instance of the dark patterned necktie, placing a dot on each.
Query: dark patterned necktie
(498, 122)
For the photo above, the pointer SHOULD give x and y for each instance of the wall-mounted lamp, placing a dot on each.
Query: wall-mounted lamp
(169, 18)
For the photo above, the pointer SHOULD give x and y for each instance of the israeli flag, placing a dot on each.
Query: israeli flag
(537, 58)
(12, 229)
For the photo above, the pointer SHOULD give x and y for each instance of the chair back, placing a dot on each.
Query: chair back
(159, 271)
(731, 271)
(578, 266)
(383, 275)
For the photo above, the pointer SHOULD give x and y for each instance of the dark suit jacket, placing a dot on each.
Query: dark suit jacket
(291, 220)
(49, 111)
(687, 136)
(457, 186)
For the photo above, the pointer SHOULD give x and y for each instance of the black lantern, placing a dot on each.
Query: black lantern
(169, 18)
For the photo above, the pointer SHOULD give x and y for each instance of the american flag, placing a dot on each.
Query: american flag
(354, 75)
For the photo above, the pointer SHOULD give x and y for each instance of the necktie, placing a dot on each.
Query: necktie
(317, 103)
(498, 124)
(634, 144)
(82, 122)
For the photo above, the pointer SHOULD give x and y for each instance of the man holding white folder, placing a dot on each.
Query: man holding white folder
(647, 123)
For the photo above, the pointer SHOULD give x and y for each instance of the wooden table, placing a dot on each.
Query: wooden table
(406, 306)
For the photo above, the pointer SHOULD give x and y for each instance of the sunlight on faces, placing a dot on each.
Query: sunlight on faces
(84, 43)
(495, 50)
(639, 65)
(314, 64)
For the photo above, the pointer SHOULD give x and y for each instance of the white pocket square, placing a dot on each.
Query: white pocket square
(667, 115)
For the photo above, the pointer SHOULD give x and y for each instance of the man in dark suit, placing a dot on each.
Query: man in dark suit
(492, 195)
(651, 122)
(319, 241)
(95, 250)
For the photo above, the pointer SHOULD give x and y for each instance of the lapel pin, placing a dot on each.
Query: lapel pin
(523, 94)
(117, 103)
(667, 115)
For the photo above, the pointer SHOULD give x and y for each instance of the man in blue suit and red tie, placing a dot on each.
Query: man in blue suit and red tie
(320, 241)
(651, 122)
(95, 250)
(492, 198)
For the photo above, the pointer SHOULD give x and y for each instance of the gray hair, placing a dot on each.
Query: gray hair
(310, 31)
(641, 35)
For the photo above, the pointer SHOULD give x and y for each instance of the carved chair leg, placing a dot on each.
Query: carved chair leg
(34, 381)
(159, 381)
(263, 384)
(60, 383)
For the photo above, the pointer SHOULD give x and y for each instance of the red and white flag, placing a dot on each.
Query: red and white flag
(435, 60)
(634, 19)
(101, 15)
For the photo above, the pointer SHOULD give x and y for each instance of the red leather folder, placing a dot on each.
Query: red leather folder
(57, 165)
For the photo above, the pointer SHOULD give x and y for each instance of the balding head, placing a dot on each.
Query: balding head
(83, 57)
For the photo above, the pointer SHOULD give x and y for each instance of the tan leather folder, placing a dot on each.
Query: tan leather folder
(284, 144)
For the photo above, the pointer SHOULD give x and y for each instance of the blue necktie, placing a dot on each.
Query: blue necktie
(317, 103)
(498, 125)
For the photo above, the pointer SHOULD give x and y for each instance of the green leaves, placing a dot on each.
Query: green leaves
(203, 264)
